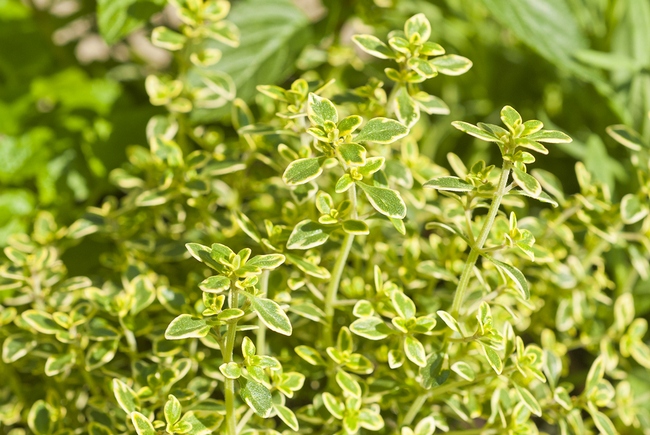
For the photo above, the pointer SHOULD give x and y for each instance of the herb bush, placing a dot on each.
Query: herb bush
(289, 258)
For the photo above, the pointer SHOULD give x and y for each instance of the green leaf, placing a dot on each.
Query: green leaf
(371, 420)
(272, 91)
(372, 328)
(351, 423)
(172, 411)
(626, 137)
(452, 64)
(56, 364)
(344, 183)
(273, 34)
(310, 355)
(272, 315)
(373, 164)
(308, 234)
(231, 370)
(348, 384)
(596, 373)
(414, 351)
(452, 184)
(418, 24)
(186, 326)
(373, 46)
(267, 262)
(349, 125)
(142, 424)
(100, 353)
(449, 320)
(475, 131)
(144, 293)
(95, 428)
(302, 170)
(386, 201)
(602, 422)
(125, 396)
(432, 49)
(632, 209)
(344, 341)
(308, 311)
(308, 267)
(543, 197)
(406, 109)
(118, 18)
(41, 321)
(463, 370)
(528, 183)
(168, 39)
(204, 255)
(287, 416)
(382, 130)
(17, 346)
(524, 142)
(215, 284)
(321, 109)
(515, 275)
(550, 136)
(511, 118)
(41, 418)
(529, 400)
(492, 357)
(353, 154)
(426, 426)
(356, 227)
(256, 396)
(423, 67)
(431, 104)
(403, 304)
(333, 405)
(641, 353)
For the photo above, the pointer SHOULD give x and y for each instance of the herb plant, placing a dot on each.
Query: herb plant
(292, 263)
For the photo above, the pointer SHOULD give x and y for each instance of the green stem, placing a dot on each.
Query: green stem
(260, 342)
(414, 409)
(422, 398)
(227, 353)
(337, 273)
(333, 287)
(465, 276)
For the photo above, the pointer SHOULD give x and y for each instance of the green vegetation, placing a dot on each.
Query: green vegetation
(339, 217)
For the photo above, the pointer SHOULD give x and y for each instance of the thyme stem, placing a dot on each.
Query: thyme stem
(227, 353)
(465, 276)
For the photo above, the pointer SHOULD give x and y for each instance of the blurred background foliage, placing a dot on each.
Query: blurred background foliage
(72, 75)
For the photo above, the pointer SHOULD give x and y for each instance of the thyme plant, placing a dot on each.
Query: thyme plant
(303, 268)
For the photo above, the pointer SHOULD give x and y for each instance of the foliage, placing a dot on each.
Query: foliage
(288, 253)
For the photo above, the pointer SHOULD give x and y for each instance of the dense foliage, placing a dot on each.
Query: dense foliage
(324, 218)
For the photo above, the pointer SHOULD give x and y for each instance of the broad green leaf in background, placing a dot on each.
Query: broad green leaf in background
(550, 28)
(118, 18)
(272, 36)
